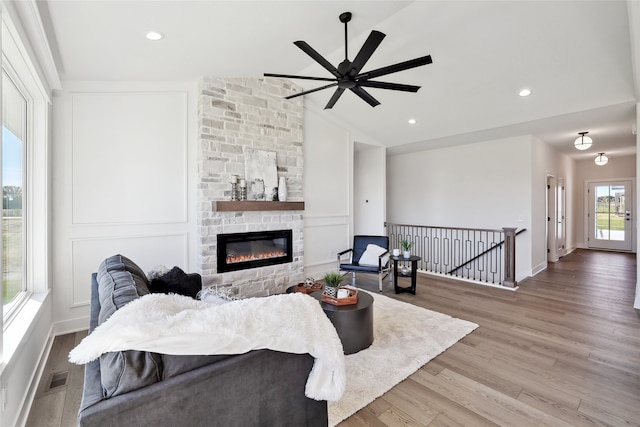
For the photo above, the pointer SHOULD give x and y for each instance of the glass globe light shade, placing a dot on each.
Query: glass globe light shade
(601, 160)
(583, 142)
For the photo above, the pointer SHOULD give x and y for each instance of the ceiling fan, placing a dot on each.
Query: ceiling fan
(348, 74)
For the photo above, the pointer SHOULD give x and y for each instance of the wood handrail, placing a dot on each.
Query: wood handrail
(483, 253)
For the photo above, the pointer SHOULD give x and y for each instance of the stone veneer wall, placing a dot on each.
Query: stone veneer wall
(234, 113)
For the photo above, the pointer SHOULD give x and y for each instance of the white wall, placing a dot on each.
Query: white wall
(124, 170)
(548, 162)
(369, 189)
(484, 185)
(618, 167)
(328, 193)
(637, 184)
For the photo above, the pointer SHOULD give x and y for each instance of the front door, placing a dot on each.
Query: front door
(610, 215)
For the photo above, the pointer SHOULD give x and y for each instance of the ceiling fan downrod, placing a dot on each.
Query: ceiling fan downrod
(345, 18)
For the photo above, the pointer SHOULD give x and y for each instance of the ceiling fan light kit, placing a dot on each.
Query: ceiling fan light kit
(348, 74)
(583, 142)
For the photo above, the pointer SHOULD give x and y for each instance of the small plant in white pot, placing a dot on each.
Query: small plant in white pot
(332, 283)
(406, 247)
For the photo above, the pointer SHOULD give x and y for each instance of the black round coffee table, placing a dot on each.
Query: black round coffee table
(354, 322)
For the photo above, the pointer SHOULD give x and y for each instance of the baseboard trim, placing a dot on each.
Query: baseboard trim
(538, 268)
(70, 326)
(30, 394)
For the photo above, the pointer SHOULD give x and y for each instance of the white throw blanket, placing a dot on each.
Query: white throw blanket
(174, 324)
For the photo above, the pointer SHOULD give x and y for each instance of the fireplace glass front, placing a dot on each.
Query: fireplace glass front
(240, 251)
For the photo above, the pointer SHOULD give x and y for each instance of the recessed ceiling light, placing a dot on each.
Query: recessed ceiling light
(524, 92)
(412, 121)
(155, 35)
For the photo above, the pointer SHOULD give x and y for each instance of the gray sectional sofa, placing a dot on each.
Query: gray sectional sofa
(135, 388)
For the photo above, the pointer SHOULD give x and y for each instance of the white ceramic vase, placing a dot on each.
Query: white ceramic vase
(282, 189)
(406, 254)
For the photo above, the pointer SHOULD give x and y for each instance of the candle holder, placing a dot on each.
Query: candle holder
(235, 194)
(243, 189)
(235, 191)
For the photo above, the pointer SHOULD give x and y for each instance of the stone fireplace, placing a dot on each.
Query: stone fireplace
(233, 114)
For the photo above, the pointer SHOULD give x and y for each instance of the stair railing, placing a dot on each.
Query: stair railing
(482, 255)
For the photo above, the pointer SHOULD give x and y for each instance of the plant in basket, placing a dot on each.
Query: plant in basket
(331, 283)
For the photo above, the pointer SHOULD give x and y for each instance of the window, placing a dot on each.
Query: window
(14, 137)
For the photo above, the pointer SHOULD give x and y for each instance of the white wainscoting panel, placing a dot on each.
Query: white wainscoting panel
(147, 252)
(330, 235)
(129, 157)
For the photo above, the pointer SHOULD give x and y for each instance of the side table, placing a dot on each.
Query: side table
(354, 322)
(414, 267)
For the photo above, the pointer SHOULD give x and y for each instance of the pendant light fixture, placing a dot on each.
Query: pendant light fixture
(601, 160)
(583, 142)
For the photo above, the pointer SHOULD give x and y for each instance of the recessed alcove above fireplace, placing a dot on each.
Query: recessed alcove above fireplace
(241, 251)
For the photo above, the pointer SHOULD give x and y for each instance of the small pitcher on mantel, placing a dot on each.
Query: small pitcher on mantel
(282, 189)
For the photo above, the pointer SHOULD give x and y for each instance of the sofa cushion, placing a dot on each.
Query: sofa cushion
(176, 281)
(174, 365)
(121, 281)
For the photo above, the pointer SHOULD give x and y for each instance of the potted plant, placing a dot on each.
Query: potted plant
(331, 283)
(406, 247)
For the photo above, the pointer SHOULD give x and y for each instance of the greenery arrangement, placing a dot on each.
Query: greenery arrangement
(332, 279)
(406, 245)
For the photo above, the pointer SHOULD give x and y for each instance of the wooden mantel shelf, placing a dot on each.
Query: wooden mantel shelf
(231, 206)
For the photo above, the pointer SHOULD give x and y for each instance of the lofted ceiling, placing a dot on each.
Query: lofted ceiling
(575, 56)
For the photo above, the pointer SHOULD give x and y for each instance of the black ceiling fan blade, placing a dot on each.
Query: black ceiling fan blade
(317, 57)
(366, 96)
(401, 66)
(334, 98)
(367, 49)
(385, 85)
(311, 90)
(289, 76)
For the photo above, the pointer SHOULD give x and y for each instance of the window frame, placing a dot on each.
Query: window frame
(38, 78)
(27, 289)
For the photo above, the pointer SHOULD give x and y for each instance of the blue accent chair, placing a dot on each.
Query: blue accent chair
(360, 243)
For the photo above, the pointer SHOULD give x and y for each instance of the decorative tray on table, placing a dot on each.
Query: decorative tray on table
(351, 299)
(306, 289)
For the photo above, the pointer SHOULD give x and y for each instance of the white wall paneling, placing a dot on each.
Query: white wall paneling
(328, 192)
(330, 235)
(87, 254)
(124, 181)
(129, 157)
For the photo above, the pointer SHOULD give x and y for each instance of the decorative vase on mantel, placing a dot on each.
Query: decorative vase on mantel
(282, 189)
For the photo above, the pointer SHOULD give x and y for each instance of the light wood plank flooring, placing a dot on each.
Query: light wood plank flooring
(563, 350)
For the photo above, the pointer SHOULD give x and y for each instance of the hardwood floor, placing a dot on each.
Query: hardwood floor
(60, 388)
(562, 350)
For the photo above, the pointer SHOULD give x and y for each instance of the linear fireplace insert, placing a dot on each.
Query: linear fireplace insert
(239, 251)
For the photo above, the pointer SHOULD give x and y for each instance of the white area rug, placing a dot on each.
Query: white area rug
(405, 337)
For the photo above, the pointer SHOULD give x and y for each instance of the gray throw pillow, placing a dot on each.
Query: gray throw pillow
(121, 281)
